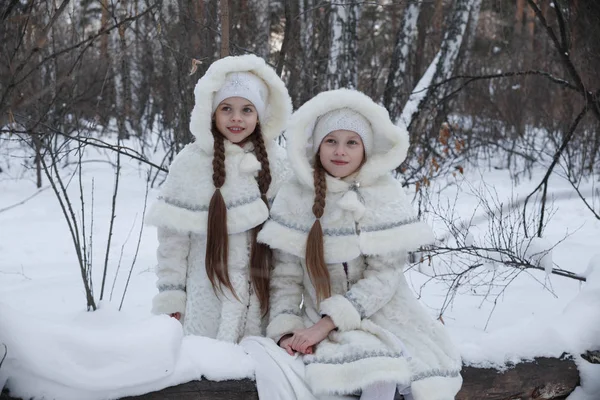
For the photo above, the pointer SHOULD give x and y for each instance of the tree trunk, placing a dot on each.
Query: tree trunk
(519, 12)
(224, 28)
(544, 378)
(122, 75)
(307, 16)
(424, 96)
(263, 22)
(342, 67)
(530, 29)
(398, 83)
(104, 24)
(437, 22)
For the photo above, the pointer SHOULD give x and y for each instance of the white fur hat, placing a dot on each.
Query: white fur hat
(244, 84)
(343, 119)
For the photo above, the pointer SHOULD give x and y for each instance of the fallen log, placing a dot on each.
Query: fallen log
(540, 379)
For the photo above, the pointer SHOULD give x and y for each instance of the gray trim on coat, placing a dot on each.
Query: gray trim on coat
(435, 373)
(342, 231)
(204, 208)
(290, 311)
(164, 288)
(356, 304)
(352, 358)
(305, 229)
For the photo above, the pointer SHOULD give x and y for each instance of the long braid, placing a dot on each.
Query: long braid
(261, 255)
(217, 239)
(315, 253)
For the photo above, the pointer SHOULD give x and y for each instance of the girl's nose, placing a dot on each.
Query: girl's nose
(236, 116)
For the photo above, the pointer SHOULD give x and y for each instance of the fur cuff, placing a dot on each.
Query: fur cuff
(282, 325)
(436, 388)
(344, 315)
(169, 302)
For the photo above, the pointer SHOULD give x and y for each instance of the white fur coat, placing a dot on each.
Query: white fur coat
(181, 212)
(383, 333)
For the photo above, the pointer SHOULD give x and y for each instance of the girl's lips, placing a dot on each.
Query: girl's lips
(339, 162)
(235, 129)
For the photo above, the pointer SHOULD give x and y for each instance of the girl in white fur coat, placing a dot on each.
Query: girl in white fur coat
(341, 230)
(213, 276)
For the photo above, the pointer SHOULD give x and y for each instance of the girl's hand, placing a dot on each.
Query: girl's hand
(286, 343)
(304, 340)
(176, 315)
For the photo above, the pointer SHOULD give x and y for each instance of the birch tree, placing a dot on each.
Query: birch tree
(306, 8)
(426, 94)
(342, 65)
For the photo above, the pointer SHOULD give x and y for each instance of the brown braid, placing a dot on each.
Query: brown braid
(217, 239)
(315, 254)
(260, 256)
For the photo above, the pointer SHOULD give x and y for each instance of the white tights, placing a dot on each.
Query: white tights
(379, 391)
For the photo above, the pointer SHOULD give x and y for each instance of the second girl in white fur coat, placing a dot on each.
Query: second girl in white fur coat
(342, 229)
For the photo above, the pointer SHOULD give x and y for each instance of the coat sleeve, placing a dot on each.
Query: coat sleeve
(286, 288)
(376, 288)
(172, 254)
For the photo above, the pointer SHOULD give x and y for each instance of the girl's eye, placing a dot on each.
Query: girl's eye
(332, 141)
(247, 110)
(225, 108)
(352, 142)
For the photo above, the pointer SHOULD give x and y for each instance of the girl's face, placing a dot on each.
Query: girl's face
(236, 118)
(341, 153)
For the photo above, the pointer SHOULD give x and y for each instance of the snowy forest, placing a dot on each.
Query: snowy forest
(501, 99)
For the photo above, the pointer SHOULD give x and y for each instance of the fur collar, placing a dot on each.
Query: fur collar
(278, 109)
(374, 220)
(185, 196)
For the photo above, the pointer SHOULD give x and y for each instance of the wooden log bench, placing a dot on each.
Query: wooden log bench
(540, 379)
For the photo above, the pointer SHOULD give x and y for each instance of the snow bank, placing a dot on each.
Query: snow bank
(105, 357)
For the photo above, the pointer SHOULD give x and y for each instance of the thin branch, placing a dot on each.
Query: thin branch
(138, 243)
(124, 150)
(561, 25)
(565, 56)
(23, 201)
(589, 206)
(112, 221)
(71, 222)
(473, 78)
(555, 160)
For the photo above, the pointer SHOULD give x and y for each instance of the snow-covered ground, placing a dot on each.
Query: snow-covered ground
(56, 349)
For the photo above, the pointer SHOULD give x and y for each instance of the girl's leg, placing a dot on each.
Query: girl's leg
(379, 391)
